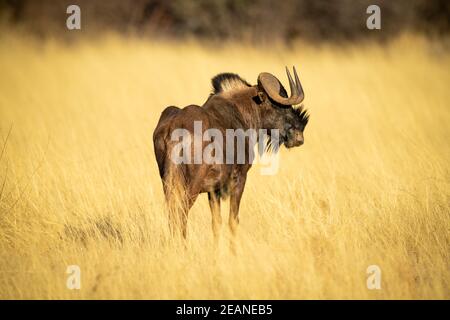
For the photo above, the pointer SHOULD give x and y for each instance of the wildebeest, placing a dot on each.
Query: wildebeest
(233, 104)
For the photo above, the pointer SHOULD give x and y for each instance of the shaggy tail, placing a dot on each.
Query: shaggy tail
(177, 199)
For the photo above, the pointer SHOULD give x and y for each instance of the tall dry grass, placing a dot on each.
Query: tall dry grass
(79, 182)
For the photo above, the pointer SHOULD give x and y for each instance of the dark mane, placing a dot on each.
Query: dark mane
(228, 81)
(302, 114)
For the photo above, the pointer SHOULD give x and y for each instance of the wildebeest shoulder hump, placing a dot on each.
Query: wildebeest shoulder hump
(228, 81)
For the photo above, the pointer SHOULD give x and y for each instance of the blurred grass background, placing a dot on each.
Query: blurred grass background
(79, 182)
(252, 21)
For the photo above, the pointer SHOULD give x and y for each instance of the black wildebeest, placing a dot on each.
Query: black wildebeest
(233, 104)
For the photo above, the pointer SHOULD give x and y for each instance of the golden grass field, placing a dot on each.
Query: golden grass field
(79, 182)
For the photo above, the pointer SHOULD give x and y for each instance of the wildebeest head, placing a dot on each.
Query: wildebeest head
(291, 121)
(277, 110)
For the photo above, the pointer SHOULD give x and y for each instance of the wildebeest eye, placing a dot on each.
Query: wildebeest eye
(257, 99)
(290, 132)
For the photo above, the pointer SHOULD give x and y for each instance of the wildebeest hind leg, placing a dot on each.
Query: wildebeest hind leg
(214, 204)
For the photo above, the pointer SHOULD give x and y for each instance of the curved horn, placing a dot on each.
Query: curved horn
(273, 88)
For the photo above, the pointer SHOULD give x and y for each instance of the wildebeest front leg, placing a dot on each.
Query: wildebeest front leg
(237, 188)
(214, 204)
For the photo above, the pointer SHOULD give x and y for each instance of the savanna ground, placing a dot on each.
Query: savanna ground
(79, 183)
